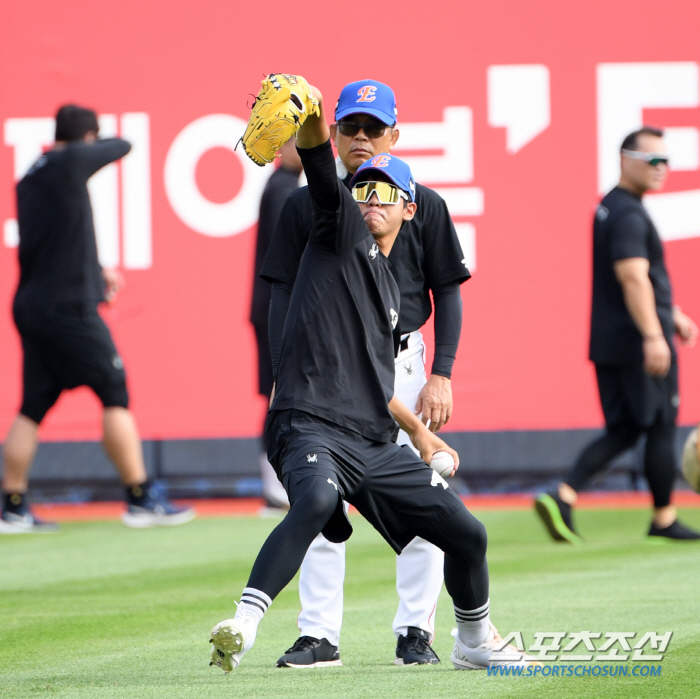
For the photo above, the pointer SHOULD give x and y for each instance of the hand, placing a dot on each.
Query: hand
(428, 443)
(435, 402)
(114, 281)
(657, 356)
(685, 327)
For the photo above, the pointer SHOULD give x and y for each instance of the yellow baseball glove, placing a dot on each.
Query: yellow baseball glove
(281, 107)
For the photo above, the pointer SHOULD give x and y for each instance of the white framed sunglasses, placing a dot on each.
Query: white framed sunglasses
(652, 159)
(386, 193)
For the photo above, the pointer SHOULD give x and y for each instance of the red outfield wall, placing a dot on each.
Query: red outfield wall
(513, 110)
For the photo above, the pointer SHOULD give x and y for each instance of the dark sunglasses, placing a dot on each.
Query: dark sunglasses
(653, 159)
(372, 129)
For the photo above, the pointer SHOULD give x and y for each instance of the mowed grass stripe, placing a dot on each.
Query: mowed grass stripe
(98, 610)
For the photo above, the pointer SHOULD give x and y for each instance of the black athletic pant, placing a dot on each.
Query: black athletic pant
(461, 536)
(659, 458)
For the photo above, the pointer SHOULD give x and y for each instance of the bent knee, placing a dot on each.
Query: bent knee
(315, 497)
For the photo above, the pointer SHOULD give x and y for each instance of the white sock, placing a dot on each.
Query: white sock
(473, 626)
(253, 605)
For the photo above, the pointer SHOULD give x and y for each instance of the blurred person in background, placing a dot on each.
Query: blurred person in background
(633, 324)
(283, 181)
(65, 342)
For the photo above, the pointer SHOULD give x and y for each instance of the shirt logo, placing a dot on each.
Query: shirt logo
(601, 213)
(117, 362)
(394, 318)
(373, 251)
(366, 93)
(312, 458)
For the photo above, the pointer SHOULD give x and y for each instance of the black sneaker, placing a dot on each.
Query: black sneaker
(556, 515)
(414, 649)
(24, 523)
(155, 510)
(310, 652)
(676, 531)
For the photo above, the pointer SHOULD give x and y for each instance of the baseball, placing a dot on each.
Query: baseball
(443, 463)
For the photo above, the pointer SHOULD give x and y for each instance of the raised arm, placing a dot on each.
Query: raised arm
(314, 131)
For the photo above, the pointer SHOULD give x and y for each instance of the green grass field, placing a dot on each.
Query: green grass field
(99, 610)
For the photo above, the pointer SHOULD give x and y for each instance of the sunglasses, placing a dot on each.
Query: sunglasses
(372, 129)
(653, 159)
(386, 193)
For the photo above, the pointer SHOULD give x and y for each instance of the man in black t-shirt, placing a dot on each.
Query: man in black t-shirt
(333, 418)
(633, 323)
(283, 181)
(65, 342)
(425, 259)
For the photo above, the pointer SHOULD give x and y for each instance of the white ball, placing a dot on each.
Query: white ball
(690, 462)
(443, 463)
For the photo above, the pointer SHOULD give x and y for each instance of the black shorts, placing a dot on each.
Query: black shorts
(630, 397)
(66, 349)
(390, 486)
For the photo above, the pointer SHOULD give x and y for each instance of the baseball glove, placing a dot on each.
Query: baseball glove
(281, 107)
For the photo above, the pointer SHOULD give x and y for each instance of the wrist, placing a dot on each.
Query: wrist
(654, 336)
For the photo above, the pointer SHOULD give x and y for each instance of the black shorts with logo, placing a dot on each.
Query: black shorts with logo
(396, 492)
(65, 349)
(629, 396)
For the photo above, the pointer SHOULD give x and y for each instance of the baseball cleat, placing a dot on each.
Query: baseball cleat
(557, 517)
(308, 652)
(414, 649)
(492, 653)
(230, 640)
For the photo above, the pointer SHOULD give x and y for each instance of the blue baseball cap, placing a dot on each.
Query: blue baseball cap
(394, 168)
(367, 97)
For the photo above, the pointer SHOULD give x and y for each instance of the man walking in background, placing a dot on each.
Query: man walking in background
(633, 323)
(426, 258)
(65, 342)
(283, 181)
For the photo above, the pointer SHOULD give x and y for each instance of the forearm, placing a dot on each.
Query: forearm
(448, 328)
(314, 131)
(407, 421)
(639, 298)
(279, 306)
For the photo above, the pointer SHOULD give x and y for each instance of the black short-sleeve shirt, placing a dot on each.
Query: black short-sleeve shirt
(337, 355)
(622, 229)
(426, 255)
(57, 247)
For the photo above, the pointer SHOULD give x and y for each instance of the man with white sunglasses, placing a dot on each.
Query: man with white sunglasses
(633, 323)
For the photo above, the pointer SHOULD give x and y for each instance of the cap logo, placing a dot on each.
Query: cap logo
(367, 93)
(380, 161)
